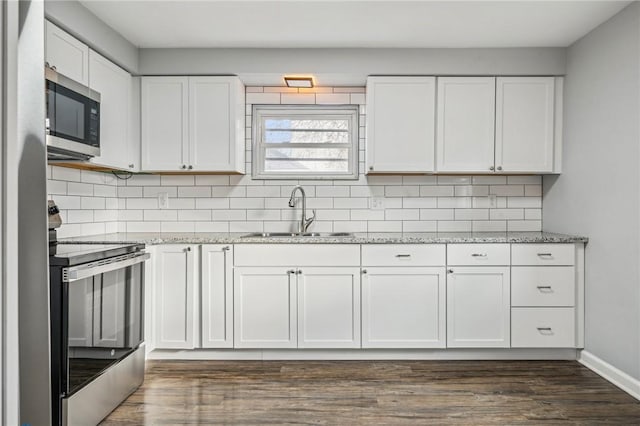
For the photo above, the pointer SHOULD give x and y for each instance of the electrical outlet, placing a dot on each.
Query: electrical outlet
(376, 203)
(163, 200)
(493, 201)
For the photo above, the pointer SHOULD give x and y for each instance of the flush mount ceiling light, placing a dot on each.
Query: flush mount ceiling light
(304, 82)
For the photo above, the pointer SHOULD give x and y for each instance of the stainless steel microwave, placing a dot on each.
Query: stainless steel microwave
(73, 118)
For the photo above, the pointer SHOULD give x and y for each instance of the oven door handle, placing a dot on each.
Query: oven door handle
(87, 270)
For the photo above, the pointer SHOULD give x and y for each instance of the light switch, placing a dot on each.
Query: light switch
(376, 203)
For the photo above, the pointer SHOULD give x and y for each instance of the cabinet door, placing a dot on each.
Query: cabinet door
(67, 54)
(328, 307)
(525, 124)
(217, 296)
(164, 123)
(215, 130)
(478, 307)
(264, 308)
(466, 119)
(400, 124)
(80, 313)
(109, 309)
(114, 85)
(403, 308)
(174, 292)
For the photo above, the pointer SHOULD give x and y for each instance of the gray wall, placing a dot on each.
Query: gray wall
(598, 194)
(340, 67)
(33, 273)
(80, 22)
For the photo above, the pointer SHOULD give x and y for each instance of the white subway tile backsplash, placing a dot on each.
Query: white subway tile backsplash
(154, 191)
(420, 226)
(74, 188)
(194, 215)
(93, 202)
(177, 180)
(160, 215)
(65, 173)
(402, 191)
(194, 192)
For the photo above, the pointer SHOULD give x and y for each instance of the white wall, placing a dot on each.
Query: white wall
(84, 25)
(345, 67)
(598, 195)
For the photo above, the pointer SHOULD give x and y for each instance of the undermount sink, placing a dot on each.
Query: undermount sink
(296, 235)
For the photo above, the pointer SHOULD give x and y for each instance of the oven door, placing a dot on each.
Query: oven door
(103, 310)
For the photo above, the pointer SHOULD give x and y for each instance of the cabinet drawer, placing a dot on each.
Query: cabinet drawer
(542, 254)
(542, 328)
(478, 254)
(403, 255)
(542, 286)
(297, 255)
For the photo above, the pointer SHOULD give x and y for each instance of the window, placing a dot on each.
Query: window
(305, 142)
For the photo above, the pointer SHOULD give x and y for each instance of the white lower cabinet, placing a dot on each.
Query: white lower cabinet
(403, 308)
(175, 273)
(478, 307)
(543, 327)
(328, 307)
(264, 304)
(216, 301)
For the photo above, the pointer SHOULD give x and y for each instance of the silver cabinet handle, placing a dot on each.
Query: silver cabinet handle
(46, 64)
(545, 255)
(479, 255)
(403, 255)
(131, 166)
(450, 271)
(499, 167)
(291, 271)
(190, 167)
(225, 248)
(370, 167)
(53, 67)
(544, 287)
(547, 331)
(188, 249)
(364, 271)
(299, 272)
(492, 168)
(183, 167)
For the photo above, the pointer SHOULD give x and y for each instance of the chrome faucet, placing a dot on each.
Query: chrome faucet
(304, 223)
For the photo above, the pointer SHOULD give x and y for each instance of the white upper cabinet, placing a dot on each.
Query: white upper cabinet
(525, 124)
(466, 116)
(400, 124)
(66, 54)
(193, 124)
(164, 123)
(116, 139)
(216, 124)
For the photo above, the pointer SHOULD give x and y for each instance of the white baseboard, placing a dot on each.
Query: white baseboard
(365, 354)
(618, 377)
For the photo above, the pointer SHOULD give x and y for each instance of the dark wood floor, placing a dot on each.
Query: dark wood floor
(374, 393)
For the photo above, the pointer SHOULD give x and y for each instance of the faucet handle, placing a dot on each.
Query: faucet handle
(309, 221)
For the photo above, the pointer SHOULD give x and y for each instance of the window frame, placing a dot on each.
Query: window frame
(258, 147)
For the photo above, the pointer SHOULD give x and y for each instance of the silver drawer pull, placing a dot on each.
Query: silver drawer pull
(403, 255)
(545, 254)
(544, 288)
(479, 255)
(545, 330)
(291, 271)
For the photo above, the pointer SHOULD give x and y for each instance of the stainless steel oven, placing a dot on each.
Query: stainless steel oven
(97, 323)
(73, 118)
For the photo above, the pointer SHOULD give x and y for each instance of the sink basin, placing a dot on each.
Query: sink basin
(296, 235)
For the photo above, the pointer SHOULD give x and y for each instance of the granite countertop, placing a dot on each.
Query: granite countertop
(152, 238)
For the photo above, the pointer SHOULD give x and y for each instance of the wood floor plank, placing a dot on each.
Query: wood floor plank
(374, 392)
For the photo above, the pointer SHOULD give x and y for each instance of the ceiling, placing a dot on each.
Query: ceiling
(352, 23)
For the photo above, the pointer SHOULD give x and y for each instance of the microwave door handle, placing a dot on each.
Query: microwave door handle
(87, 270)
